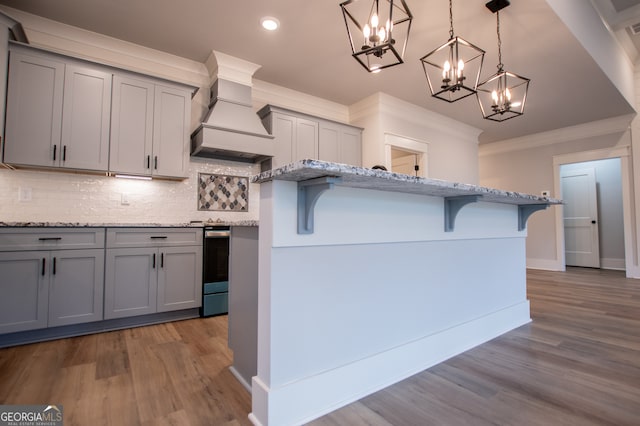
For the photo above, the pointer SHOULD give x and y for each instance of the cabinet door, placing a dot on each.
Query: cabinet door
(86, 114)
(76, 286)
(34, 110)
(329, 143)
(171, 119)
(306, 142)
(23, 290)
(180, 278)
(130, 282)
(131, 126)
(351, 146)
(284, 137)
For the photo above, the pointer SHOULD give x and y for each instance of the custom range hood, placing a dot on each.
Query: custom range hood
(231, 130)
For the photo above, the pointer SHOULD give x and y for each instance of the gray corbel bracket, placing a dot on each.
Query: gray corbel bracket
(526, 210)
(452, 206)
(308, 193)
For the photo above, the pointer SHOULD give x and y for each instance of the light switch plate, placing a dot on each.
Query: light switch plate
(124, 199)
(24, 194)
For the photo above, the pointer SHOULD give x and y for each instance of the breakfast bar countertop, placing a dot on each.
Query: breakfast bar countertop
(381, 180)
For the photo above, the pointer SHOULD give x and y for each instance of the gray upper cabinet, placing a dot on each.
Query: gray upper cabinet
(149, 128)
(58, 112)
(131, 126)
(67, 113)
(86, 114)
(34, 110)
(300, 136)
(50, 277)
(172, 112)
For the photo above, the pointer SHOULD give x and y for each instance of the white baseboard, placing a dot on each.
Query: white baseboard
(610, 263)
(241, 379)
(311, 397)
(545, 264)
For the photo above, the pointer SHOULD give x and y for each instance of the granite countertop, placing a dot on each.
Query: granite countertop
(193, 224)
(359, 177)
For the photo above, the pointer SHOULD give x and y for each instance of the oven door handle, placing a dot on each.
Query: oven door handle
(217, 234)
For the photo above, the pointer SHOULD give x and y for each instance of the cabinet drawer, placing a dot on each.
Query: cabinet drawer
(153, 237)
(17, 239)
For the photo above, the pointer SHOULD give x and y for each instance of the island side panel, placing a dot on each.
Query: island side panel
(377, 293)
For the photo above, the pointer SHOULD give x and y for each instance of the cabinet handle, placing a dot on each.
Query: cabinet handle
(155, 162)
(54, 266)
(49, 238)
(44, 262)
(159, 237)
(64, 153)
(55, 148)
(154, 261)
(148, 161)
(162, 260)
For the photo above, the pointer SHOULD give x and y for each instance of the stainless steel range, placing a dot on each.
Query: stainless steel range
(215, 274)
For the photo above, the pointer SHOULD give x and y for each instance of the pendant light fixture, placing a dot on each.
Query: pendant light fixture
(453, 69)
(502, 96)
(379, 34)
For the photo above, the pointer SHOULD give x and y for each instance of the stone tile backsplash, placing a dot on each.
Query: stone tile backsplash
(76, 197)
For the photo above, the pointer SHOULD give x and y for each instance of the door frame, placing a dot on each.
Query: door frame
(624, 154)
(406, 144)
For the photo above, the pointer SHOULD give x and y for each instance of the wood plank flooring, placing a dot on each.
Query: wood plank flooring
(577, 363)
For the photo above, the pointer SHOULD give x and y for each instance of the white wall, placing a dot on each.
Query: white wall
(527, 165)
(452, 145)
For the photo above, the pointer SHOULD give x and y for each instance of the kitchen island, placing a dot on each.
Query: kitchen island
(367, 277)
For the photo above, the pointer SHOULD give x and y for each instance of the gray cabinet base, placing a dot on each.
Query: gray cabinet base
(32, 336)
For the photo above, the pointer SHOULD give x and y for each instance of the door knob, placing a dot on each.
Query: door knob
(593, 221)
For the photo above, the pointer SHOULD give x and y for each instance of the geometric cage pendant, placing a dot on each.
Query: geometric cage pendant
(378, 31)
(453, 69)
(503, 95)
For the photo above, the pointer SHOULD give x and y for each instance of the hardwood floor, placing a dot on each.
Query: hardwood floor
(577, 363)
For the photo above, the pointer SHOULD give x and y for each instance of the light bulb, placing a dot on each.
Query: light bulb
(367, 31)
(445, 70)
(494, 96)
(382, 34)
(507, 94)
(374, 20)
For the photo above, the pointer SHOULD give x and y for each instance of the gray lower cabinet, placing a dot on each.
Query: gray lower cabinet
(50, 277)
(152, 270)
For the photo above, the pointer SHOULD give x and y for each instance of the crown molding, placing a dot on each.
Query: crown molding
(559, 136)
(381, 103)
(77, 42)
(268, 93)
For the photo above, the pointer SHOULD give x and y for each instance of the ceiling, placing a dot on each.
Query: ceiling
(310, 52)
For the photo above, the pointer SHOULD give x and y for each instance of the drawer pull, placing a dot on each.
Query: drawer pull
(154, 261)
(44, 270)
(162, 260)
(160, 237)
(50, 238)
(54, 266)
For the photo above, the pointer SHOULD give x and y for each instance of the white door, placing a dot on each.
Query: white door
(580, 218)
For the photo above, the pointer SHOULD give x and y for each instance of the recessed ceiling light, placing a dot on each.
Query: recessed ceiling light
(269, 23)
